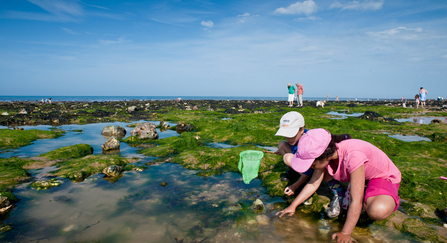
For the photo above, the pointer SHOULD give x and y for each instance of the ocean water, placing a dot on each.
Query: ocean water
(128, 98)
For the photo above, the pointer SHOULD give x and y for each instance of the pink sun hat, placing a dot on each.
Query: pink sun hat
(310, 146)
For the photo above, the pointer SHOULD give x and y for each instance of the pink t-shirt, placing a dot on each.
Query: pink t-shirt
(299, 91)
(352, 153)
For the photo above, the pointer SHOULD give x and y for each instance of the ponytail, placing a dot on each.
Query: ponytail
(331, 148)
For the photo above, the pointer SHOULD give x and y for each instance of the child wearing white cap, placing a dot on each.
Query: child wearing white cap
(291, 127)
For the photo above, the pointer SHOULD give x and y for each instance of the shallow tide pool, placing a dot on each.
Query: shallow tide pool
(139, 207)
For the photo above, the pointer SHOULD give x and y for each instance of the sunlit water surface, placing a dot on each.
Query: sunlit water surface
(137, 208)
(90, 134)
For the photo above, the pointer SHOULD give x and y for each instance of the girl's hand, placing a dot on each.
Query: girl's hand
(288, 210)
(289, 191)
(342, 237)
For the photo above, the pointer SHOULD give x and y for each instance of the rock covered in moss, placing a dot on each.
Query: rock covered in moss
(258, 205)
(114, 131)
(111, 144)
(113, 170)
(181, 127)
(145, 130)
(44, 185)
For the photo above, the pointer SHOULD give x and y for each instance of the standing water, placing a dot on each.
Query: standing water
(164, 203)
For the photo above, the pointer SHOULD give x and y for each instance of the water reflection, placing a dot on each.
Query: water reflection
(137, 208)
(338, 115)
(421, 119)
(90, 134)
(409, 138)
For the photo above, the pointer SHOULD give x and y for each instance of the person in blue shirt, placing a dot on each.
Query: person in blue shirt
(291, 94)
(423, 96)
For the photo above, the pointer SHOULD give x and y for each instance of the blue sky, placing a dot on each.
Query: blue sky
(376, 48)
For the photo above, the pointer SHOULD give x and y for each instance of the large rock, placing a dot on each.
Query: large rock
(113, 170)
(111, 144)
(113, 131)
(145, 130)
(181, 127)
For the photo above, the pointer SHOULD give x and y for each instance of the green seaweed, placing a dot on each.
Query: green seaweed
(69, 152)
(17, 138)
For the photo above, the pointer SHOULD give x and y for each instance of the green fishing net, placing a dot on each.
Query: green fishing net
(249, 162)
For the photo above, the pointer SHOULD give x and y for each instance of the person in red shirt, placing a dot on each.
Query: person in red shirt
(299, 94)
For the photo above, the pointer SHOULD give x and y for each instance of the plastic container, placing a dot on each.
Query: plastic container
(249, 162)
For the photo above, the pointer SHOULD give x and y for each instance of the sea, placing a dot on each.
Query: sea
(143, 98)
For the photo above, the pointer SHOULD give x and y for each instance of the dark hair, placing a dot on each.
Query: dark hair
(331, 148)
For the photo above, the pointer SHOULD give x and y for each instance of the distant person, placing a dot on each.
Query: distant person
(299, 94)
(417, 101)
(327, 97)
(336, 98)
(50, 100)
(423, 96)
(291, 94)
(43, 102)
(344, 159)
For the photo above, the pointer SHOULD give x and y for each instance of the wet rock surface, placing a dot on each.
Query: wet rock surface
(114, 131)
(111, 144)
(145, 130)
(113, 170)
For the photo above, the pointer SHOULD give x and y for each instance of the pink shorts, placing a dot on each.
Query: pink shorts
(378, 186)
(375, 187)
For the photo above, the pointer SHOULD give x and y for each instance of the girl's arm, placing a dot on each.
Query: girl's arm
(307, 191)
(290, 190)
(357, 185)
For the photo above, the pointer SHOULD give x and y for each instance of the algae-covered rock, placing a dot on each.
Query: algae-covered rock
(182, 127)
(16, 138)
(145, 130)
(114, 131)
(113, 170)
(111, 144)
(69, 152)
(258, 205)
(5, 204)
(44, 185)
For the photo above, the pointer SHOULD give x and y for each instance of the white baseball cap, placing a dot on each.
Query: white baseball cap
(290, 124)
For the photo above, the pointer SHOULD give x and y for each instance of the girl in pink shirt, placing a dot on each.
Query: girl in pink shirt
(348, 160)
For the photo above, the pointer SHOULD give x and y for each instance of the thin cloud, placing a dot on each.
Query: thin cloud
(357, 5)
(69, 31)
(244, 15)
(392, 32)
(307, 7)
(58, 7)
(112, 42)
(208, 23)
(308, 18)
(95, 6)
(57, 11)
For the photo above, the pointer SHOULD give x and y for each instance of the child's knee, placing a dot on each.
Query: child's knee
(288, 159)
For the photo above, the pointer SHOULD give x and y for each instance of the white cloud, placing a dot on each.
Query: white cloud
(357, 5)
(445, 56)
(307, 7)
(109, 42)
(207, 23)
(308, 18)
(244, 15)
(395, 31)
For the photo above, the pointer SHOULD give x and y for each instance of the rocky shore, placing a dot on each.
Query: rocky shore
(18, 113)
(249, 124)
